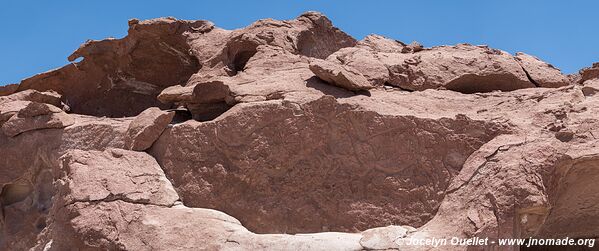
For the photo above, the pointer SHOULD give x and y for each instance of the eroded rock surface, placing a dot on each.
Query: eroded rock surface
(589, 73)
(49, 97)
(35, 116)
(146, 128)
(341, 76)
(115, 174)
(540, 73)
(126, 73)
(292, 135)
(334, 168)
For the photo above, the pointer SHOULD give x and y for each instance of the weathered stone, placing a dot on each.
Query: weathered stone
(363, 61)
(328, 150)
(8, 109)
(589, 73)
(176, 93)
(146, 128)
(48, 97)
(36, 116)
(590, 87)
(341, 76)
(463, 68)
(381, 44)
(542, 74)
(8, 89)
(412, 47)
(153, 56)
(265, 136)
(36, 109)
(115, 174)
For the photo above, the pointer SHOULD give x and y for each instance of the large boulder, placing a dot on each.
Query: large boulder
(311, 34)
(364, 62)
(463, 68)
(542, 74)
(339, 75)
(146, 128)
(115, 174)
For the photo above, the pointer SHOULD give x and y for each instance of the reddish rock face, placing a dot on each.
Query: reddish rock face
(8, 89)
(463, 68)
(146, 128)
(35, 116)
(328, 167)
(186, 136)
(342, 76)
(50, 97)
(589, 73)
(540, 73)
(126, 73)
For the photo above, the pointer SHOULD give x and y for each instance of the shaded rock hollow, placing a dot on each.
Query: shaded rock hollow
(284, 128)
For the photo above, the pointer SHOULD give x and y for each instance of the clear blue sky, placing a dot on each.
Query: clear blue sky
(38, 35)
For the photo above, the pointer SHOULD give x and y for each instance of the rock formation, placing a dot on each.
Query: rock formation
(292, 135)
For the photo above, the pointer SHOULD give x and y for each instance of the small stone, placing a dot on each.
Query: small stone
(564, 135)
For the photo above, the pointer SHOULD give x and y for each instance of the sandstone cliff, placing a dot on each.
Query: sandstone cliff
(292, 135)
